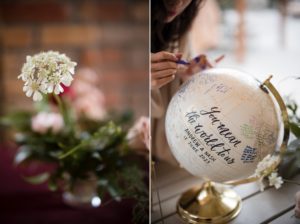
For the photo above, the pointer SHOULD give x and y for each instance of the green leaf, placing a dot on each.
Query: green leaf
(38, 179)
(71, 151)
(61, 145)
(292, 106)
(101, 191)
(126, 117)
(97, 156)
(102, 182)
(290, 164)
(295, 128)
(289, 168)
(114, 190)
(20, 120)
(114, 194)
(52, 185)
(293, 146)
(23, 153)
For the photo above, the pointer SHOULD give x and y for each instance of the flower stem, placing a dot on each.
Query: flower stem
(63, 112)
(71, 151)
(113, 199)
(60, 105)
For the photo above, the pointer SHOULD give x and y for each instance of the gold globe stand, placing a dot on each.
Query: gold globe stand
(214, 203)
(209, 204)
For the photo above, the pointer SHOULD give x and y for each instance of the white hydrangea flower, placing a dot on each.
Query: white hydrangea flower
(267, 165)
(45, 72)
(275, 180)
(265, 168)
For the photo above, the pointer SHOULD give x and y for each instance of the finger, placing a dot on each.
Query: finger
(192, 70)
(196, 60)
(195, 64)
(163, 56)
(158, 83)
(163, 73)
(206, 65)
(200, 61)
(203, 62)
(163, 65)
(218, 59)
(178, 55)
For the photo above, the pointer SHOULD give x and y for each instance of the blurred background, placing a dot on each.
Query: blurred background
(260, 37)
(110, 37)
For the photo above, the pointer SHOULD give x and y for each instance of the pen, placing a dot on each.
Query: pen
(182, 62)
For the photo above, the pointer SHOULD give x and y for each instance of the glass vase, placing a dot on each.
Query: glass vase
(83, 194)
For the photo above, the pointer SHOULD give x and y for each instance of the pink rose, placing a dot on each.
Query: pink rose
(138, 136)
(81, 88)
(84, 80)
(43, 122)
(91, 105)
(87, 75)
(89, 100)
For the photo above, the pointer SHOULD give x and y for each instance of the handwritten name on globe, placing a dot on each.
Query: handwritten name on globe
(210, 143)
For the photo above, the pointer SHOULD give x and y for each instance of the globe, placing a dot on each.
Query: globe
(220, 124)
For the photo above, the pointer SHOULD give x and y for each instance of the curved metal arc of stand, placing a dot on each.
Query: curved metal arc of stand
(284, 114)
(268, 86)
(212, 204)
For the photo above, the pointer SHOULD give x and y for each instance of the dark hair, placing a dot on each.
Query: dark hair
(163, 34)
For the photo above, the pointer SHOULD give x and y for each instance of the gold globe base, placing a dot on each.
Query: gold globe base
(211, 203)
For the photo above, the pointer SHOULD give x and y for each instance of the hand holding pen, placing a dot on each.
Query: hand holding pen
(165, 65)
(197, 64)
(163, 68)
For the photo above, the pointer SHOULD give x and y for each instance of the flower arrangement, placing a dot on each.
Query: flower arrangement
(72, 130)
(276, 170)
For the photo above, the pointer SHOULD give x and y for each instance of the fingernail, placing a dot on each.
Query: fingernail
(178, 55)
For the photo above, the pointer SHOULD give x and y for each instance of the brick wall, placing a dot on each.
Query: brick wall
(109, 36)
